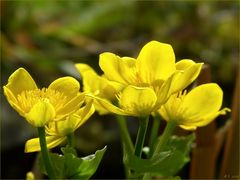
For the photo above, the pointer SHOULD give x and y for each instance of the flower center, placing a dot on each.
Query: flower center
(28, 98)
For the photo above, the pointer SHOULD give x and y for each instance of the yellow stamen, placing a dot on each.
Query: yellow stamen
(28, 98)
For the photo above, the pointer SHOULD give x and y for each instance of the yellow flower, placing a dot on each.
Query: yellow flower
(40, 106)
(197, 108)
(148, 80)
(132, 101)
(57, 131)
(97, 85)
(154, 65)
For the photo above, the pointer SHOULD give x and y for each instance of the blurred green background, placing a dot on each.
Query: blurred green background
(48, 37)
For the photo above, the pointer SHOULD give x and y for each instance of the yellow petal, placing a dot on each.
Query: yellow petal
(189, 128)
(207, 119)
(13, 101)
(90, 78)
(184, 64)
(66, 85)
(64, 127)
(137, 100)
(128, 70)
(33, 145)
(74, 121)
(41, 113)
(15, 86)
(85, 113)
(70, 107)
(164, 113)
(20, 81)
(118, 69)
(101, 110)
(50, 128)
(187, 76)
(84, 69)
(109, 63)
(98, 85)
(109, 89)
(202, 101)
(156, 61)
(165, 90)
(107, 105)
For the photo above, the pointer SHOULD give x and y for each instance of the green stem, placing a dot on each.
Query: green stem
(154, 134)
(141, 135)
(162, 143)
(45, 155)
(70, 139)
(165, 137)
(125, 133)
(126, 140)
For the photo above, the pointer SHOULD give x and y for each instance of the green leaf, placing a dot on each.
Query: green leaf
(57, 162)
(167, 163)
(163, 164)
(183, 143)
(70, 166)
(82, 168)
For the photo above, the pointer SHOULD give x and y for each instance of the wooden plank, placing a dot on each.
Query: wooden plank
(203, 162)
(230, 164)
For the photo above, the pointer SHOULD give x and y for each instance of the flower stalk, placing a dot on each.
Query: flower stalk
(126, 140)
(141, 135)
(125, 133)
(154, 134)
(44, 152)
(70, 139)
(164, 138)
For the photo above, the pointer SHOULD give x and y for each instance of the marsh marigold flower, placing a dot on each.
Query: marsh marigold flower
(56, 132)
(98, 85)
(40, 106)
(148, 81)
(194, 109)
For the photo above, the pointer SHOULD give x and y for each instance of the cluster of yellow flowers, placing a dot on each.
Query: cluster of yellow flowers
(151, 83)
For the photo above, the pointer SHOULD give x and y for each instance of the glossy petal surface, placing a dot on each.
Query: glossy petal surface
(118, 69)
(188, 75)
(203, 100)
(197, 108)
(138, 101)
(108, 106)
(156, 61)
(19, 81)
(66, 85)
(96, 84)
(72, 122)
(70, 106)
(33, 145)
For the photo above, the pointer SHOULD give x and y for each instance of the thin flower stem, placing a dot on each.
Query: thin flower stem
(70, 139)
(154, 134)
(165, 137)
(126, 140)
(141, 135)
(162, 143)
(45, 155)
(125, 133)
